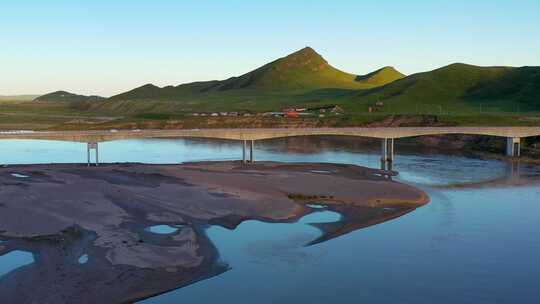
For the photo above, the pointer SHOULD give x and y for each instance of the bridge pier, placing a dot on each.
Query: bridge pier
(251, 153)
(244, 147)
(513, 146)
(92, 146)
(387, 153)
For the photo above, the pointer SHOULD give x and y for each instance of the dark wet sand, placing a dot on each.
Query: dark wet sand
(60, 212)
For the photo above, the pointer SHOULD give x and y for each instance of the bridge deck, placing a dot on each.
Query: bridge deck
(258, 134)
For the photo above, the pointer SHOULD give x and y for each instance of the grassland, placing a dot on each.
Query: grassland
(457, 94)
(32, 116)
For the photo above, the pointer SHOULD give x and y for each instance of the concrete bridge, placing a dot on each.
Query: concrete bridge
(386, 134)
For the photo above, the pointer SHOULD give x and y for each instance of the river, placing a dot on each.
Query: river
(477, 241)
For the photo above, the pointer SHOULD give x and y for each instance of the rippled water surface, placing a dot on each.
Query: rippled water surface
(478, 241)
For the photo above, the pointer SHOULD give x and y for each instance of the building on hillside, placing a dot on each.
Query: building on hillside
(295, 109)
(275, 114)
(327, 108)
(292, 114)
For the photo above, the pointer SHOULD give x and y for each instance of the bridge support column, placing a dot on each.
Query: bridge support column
(251, 152)
(387, 153)
(244, 148)
(513, 146)
(92, 146)
(251, 155)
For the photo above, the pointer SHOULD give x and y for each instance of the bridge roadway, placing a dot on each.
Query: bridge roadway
(265, 133)
(387, 134)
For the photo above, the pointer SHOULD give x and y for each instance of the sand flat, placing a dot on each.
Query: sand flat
(60, 212)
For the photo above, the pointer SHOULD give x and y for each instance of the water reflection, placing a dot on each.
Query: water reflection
(476, 244)
(416, 166)
(512, 174)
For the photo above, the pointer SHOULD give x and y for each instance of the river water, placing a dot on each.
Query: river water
(478, 241)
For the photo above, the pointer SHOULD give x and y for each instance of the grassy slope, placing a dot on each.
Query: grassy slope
(303, 77)
(304, 70)
(459, 94)
(457, 89)
(27, 114)
(381, 76)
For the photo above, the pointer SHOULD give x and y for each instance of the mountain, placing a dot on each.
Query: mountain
(301, 70)
(460, 83)
(63, 96)
(306, 69)
(381, 77)
(306, 78)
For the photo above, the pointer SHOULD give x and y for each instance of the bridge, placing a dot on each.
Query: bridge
(386, 134)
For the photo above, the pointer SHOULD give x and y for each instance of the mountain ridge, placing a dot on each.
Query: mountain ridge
(306, 78)
(500, 86)
(64, 96)
(302, 70)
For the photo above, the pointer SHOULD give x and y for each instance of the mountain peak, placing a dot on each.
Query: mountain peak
(304, 69)
(64, 96)
(381, 76)
(62, 92)
(388, 68)
(149, 86)
(304, 57)
(307, 51)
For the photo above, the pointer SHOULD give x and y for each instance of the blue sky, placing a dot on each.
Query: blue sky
(107, 47)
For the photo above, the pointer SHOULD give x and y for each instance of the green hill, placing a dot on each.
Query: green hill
(301, 77)
(299, 71)
(457, 94)
(63, 96)
(521, 85)
(459, 86)
(306, 69)
(381, 77)
(306, 78)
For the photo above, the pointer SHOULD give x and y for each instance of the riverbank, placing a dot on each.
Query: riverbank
(459, 142)
(62, 212)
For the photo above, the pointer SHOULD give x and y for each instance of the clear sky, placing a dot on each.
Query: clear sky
(107, 47)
